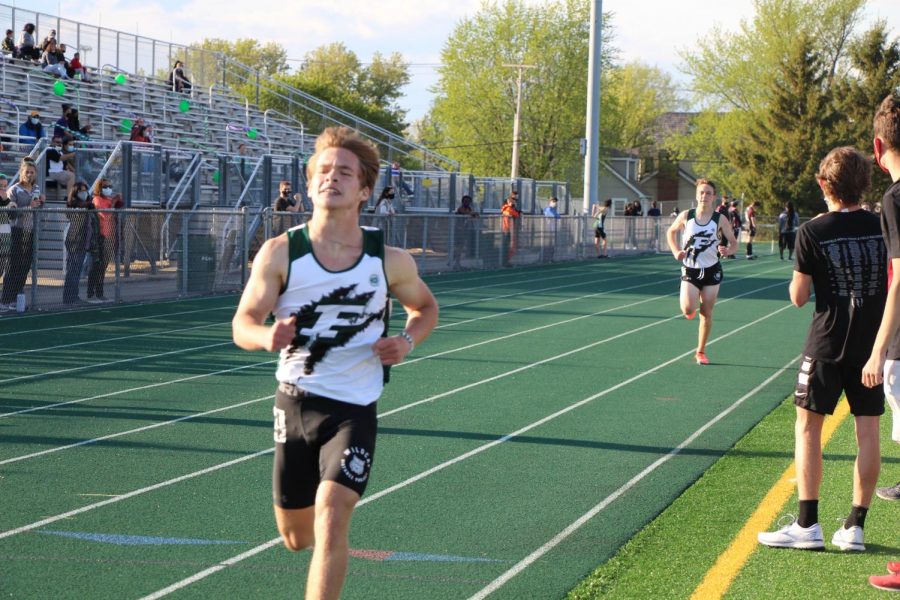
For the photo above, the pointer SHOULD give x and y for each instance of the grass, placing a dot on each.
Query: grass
(671, 555)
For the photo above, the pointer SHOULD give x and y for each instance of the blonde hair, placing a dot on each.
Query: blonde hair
(845, 173)
(364, 150)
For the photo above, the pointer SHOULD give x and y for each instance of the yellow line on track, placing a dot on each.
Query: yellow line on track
(719, 578)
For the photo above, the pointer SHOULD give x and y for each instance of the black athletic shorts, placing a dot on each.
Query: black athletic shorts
(599, 233)
(819, 387)
(752, 231)
(701, 278)
(318, 439)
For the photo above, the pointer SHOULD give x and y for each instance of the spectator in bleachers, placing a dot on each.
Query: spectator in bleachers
(61, 55)
(48, 39)
(56, 167)
(139, 131)
(76, 131)
(50, 62)
(24, 194)
(61, 128)
(397, 179)
(79, 69)
(177, 79)
(26, 47)
(5, 230)
(31, 130)
(81, 237)
(9, 44)
(104, 201)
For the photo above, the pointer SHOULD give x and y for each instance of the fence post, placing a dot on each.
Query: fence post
(245, 246)
(120, 247)
(35, 249)
(184, 254)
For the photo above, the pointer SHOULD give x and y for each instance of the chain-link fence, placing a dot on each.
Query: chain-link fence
(54, 258)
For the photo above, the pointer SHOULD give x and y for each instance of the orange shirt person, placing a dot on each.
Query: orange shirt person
(510, 227)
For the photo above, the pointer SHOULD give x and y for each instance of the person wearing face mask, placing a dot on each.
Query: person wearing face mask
(83, 231)
(31, 130)
(104, 201)
(287, 201)
(24, 194)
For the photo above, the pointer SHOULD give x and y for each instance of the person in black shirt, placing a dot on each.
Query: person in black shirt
(841, 257)
(883, 366)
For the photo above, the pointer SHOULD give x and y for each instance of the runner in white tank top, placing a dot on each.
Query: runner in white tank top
(701, 271)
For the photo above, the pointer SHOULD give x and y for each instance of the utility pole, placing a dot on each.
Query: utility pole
(515, 148)
(592, 126)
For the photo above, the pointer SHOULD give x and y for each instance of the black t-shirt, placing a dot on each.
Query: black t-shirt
(890, 227)
(282, 204)
(845, 255)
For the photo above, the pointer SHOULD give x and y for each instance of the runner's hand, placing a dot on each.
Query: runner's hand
(680, 255)
(281, 334)
(391, 350)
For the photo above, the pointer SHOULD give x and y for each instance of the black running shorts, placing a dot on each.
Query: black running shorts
(599, 233)
(701, 278)
(819, 387)
(318, 439)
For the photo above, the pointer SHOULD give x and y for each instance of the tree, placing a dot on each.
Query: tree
(472, 115)
(636, 96)
(788, 138)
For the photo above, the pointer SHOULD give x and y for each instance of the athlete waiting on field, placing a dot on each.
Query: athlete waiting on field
(326, 283)
(884, 364)
(701, 271)
(599, 213)
(841, 257)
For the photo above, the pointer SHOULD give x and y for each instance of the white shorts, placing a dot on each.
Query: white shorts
(892, 394)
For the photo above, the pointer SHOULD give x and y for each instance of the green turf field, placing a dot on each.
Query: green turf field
(554, 413)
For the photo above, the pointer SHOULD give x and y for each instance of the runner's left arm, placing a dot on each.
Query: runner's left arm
(419, 303)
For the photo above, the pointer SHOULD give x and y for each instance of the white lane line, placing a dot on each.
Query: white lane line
(115, 339)
(593, 512)
(135, 389)
(130, 431)
(132, 494)
(273, 542)
(110, 307)
(114, 362)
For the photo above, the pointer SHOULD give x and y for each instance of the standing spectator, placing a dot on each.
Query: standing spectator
(599, 214)
(630, 237)
(79, 69)
(788, 222)
(734, 217)
(105, 202)
(9, 44)
(5, 231)
(751, 228)
(31, 130)
(654, 212)
(510, 226)
(841, 257)
(551, 216)
(27, 48)
(722, 209)
(385, 211)
(56, 168)
(50, 62)
(82, 233)
(287, 201)
(177, 80)
(24, 194)
(883, 367)
(464, 240)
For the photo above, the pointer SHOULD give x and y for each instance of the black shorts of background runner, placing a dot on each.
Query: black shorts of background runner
(819, 387)
(701, 278)
(318, 439)
(599, 233)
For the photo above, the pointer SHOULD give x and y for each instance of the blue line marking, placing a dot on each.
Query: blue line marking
(416, 556)
(137, 540)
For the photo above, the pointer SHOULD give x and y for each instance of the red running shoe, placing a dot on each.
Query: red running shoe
(890, 582)
(701, 359)
(894, 567)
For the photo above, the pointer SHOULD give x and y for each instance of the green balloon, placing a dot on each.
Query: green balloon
(184, 106)
(121, 78)
(126, 125)
(216, 177)
(252, 133)
(59, 88)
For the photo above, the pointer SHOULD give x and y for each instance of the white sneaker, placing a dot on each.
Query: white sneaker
(794, 536)
(849, 539)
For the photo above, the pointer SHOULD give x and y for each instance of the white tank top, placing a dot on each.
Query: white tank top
(700, 241)
(339, 316)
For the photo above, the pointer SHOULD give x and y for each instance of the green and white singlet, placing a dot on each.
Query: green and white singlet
(700, 241)
(340, 315)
